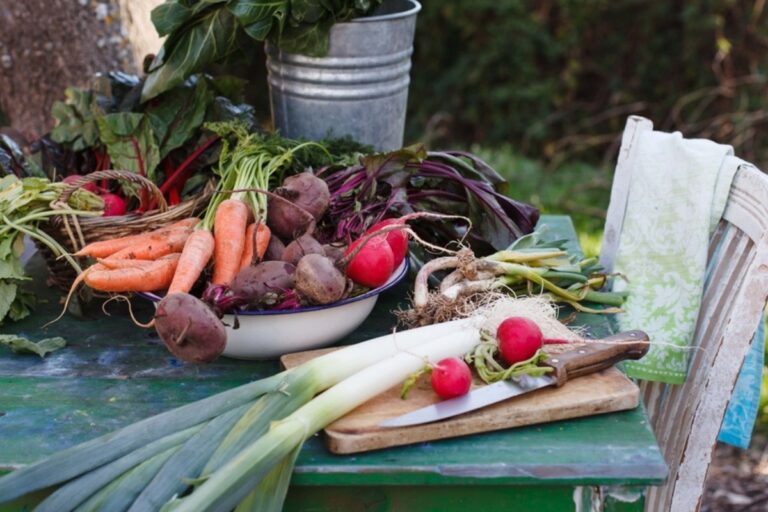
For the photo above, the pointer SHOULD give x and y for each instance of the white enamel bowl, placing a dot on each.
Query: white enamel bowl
(270, 334)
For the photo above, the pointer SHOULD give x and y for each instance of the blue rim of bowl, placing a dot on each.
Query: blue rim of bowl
(399, 274)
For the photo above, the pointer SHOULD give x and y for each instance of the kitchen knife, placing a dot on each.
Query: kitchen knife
(588, 358)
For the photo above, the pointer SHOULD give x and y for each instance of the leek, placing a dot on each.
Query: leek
(282, 389)
(227, 487)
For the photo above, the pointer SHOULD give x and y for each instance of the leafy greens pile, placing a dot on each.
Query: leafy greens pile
(106, 126)
(413, 179)
(201, 32)
(25, 203)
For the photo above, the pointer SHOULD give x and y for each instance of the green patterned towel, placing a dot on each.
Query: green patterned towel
(677, 195)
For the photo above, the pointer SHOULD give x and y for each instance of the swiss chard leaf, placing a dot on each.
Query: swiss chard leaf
(203, 32)
(176, 118)
(129, 141)
(258, 16)
(204, 39)
(170, 16)
(305, 38)
(75, 119)
(308, 11)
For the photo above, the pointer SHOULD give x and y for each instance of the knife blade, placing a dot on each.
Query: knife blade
(589, 358)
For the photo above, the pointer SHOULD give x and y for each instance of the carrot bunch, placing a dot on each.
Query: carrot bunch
(232, 234)
(137, 263)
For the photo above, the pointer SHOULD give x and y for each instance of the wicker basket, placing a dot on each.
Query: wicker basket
(73, 232)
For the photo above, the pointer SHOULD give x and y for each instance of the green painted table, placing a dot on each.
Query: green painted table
(113, 373)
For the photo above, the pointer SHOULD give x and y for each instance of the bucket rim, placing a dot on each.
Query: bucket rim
(411, 11)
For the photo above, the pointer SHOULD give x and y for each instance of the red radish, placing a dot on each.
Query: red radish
(90, 186)
(113, 205)
(519, 338)
(373, 265)
(397, 239)
(451, 377)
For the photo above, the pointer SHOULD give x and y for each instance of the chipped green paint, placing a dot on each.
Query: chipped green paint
(113, 373)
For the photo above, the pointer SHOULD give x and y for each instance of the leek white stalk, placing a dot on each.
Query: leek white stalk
(225, 488)
(317, 375)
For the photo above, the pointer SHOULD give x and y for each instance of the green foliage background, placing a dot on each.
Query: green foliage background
(557, 78)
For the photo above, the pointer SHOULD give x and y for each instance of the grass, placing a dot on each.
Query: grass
(575, 188)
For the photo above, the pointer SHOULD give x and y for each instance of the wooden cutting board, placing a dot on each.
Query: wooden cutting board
(599, 393)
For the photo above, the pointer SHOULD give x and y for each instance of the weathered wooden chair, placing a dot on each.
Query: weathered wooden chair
(686, 418)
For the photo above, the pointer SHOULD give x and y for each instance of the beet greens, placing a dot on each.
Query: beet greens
(415, 180)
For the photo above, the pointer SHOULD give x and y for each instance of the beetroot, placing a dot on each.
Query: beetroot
(263, 283)
(318, 279)
(189, 329)
(373, 264)
(274, 249)
(519, 339)
(305, 191)
(305, 244)
(451, 377)
(397, 239)
(113, 205)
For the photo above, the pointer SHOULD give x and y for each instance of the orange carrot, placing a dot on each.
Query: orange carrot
(257, 235)
(104, 248)
(154, 246)
(112, 264)
(195, 256)
(229, 227)
(247, 258)
(149, 278)
(263, 234)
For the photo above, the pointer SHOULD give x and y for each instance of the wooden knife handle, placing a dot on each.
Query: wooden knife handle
(598, 355)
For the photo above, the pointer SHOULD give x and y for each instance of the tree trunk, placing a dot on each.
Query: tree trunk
(47, 45)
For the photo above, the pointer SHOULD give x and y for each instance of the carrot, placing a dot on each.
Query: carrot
(155, 276)
(111, 264)
(263, 234)
(104, 248)
(257, 235)
(229, 227)
(250, 237)
(196, 254)
(154, 246)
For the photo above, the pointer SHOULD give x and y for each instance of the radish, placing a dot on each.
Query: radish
(519, 339)
(373, 264)
(90, 186)
(451, 377)
(397, 239)
(113, 205)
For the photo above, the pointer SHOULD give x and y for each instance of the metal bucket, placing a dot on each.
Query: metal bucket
(359, 89)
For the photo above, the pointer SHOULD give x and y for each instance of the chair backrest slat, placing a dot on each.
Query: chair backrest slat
(687, 418)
